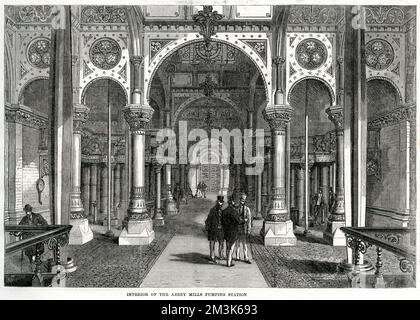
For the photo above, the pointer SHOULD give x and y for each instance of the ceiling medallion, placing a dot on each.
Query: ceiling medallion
(207, 19)
(379, 54)
(105, 53)
(39, 53)
(311, 54)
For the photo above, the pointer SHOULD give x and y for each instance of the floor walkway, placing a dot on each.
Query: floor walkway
(184, 262)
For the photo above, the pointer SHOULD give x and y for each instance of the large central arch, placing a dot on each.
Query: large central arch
(239, 41)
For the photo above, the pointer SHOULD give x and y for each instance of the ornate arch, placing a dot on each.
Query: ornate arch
(198, 96)
(89, 84)
(390, 81)
(327, 85)
(27, 83)
(232, 39)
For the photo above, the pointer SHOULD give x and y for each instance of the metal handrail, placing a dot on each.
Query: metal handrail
(45, 233)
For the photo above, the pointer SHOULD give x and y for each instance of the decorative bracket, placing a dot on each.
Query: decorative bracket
(207, 19)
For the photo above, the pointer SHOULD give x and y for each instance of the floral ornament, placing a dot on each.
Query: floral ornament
(379, 54)
(311, 54)
(259, 46)
(105, 53)
(39, 53)
(155, 46)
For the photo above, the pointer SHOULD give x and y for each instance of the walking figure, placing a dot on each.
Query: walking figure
(214, 229)
(230, 223)
(244, 229)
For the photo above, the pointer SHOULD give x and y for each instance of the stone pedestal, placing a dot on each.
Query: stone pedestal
(333, 235)
(279, 233)
(158, 219)
(171, 208)
(138, 232)
(80, 233)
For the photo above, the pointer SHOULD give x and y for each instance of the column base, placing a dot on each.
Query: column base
(158, 219)
(278, 233)
(171, 208)
(80, 233)
(137, 233)
(333, 235)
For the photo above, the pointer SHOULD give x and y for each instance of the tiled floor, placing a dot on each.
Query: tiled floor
(178, 257)
(184, 263)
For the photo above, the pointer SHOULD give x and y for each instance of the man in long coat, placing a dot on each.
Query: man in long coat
(32, 219)
(230, 223)
(214, 228)
(244, 229)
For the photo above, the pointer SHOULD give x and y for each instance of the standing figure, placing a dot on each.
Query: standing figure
(230, 223)
(32, 219)
(199, 186)
(203, 189)
(331, 200)
(177, 195)
(214, 228)
(319, 205)
(244, 228)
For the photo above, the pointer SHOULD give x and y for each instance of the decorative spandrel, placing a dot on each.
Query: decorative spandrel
(379, 54)
(39, 53)
(105, 53)
(311, 54)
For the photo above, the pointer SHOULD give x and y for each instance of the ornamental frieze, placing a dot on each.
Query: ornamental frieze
(25, 117)
(34, 14)
(403, 113)
(314, 15)
(384, 15)
(103, 15)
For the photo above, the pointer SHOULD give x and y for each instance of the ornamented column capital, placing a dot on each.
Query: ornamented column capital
(138, 116)
(136, 61)
(336, 115)
(279, 60)
(278, 116)
(80, 115)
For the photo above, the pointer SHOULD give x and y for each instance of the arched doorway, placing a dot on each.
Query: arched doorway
(209, 158)
(310, 97)
(105, 187)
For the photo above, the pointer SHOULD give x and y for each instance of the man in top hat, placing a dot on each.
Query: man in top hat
(244, 228)
(230, 223)
(214, 228)
(32, 219)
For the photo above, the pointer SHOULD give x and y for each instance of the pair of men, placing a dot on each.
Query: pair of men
(231, 224)
(201, 190)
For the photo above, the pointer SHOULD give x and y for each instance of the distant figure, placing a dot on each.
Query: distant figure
(319, 206)
(214, 228)
(177, 195)
(203, 189)
(244, 228)
(32, 219)
(199, 194)
(332, 199)
(230, 223)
